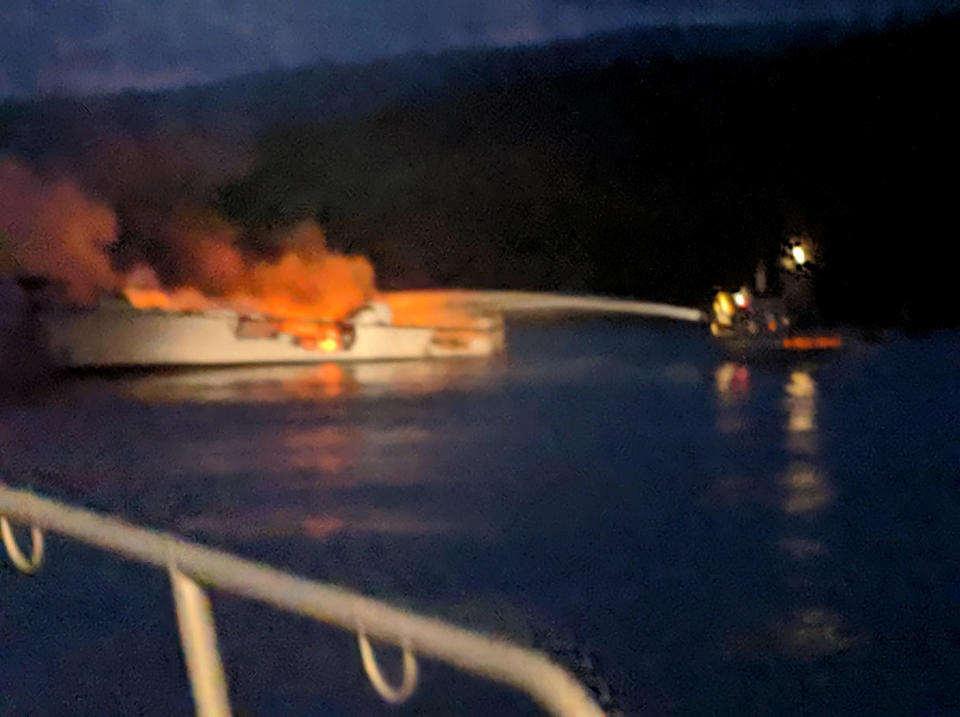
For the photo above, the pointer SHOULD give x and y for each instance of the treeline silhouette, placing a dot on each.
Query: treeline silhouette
(650, 163)
(325, 92)
(656, 178)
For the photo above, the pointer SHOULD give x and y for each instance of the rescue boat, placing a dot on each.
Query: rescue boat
(753, 322)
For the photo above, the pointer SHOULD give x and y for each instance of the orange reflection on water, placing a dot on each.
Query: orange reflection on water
(322, 526)
(318, 382)
(328, 449)
(328, 380)
(286, 522)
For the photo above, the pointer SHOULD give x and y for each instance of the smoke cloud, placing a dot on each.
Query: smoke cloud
(55, 230)
(189, 260)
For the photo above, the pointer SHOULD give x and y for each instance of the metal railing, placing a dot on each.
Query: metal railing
(191, 565)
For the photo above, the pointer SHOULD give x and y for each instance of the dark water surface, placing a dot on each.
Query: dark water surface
(692, 535)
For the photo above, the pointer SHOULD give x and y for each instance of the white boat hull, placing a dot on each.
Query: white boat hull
(125, 337)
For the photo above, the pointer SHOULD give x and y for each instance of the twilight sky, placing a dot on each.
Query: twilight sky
(79, 46)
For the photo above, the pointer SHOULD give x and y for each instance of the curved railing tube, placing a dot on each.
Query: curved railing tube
(526, 670)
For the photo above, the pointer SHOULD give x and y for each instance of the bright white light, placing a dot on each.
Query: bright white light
(739, 299)
(799, 255)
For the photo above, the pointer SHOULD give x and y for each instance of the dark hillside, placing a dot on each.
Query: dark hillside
(655, 179)
(251, 104)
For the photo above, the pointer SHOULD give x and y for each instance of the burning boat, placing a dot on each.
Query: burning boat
(116, 334)
(193, 292)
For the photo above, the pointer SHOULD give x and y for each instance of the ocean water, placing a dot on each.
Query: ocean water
(688, 534)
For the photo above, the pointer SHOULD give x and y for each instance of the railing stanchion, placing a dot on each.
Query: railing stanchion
(393, 695)
(25, 565)
(553, 687)
(199, 639)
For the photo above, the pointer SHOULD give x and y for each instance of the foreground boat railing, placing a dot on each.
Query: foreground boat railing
(191, 565)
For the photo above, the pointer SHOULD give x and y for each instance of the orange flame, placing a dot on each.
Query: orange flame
(454, 315)
(52, 229)
(308, 282)
(194, 263)
(437, 308)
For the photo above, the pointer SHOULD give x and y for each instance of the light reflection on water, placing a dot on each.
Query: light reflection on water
(803, 549)
(310, 463)
(275, 523)
(732, 388)
(306, 457)
(800, 404)
(321, 382)
(733, 527)
(802, 491)
(812, 631)
(807, 491)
